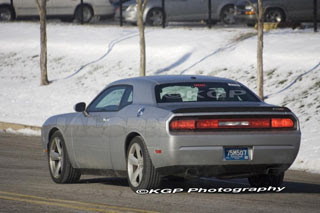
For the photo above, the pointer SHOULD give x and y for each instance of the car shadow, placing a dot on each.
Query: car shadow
(209, 183)
(107, 181)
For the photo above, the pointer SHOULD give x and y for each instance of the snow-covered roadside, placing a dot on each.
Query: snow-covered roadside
(26, 132)
(111, 53)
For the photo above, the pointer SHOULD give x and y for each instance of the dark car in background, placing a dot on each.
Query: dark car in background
(180, 10)
(276, 11)
(63, 9)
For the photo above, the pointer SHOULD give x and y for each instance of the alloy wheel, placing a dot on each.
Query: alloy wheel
(135, 165)
(155, 17)
(56, 156)
(228, 15)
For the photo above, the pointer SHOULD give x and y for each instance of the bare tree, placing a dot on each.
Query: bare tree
(259, 11)
(42, 8)
(141, 4)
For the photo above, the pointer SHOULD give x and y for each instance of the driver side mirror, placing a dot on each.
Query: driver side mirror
(80, 107)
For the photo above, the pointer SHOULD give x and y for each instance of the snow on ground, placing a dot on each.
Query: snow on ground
(27, 132)
(84, 59)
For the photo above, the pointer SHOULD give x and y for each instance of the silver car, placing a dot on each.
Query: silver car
(277, 11)
(146, 128)
(180, 10)
(57, 8)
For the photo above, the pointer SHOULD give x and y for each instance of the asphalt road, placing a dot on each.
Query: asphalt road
(25, 186)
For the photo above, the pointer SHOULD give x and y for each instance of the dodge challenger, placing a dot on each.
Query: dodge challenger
(148, 128)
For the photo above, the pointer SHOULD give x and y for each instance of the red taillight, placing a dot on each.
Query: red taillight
(183, 125)
(282, 123)
(236, 123)
(260, 123)
(207, 124)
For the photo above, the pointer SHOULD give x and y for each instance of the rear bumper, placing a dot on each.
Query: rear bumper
(249, 19)
(127, 16)
(271, 149)
(130, 16)
(223, 171)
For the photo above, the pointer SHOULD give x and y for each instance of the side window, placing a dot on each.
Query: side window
(109, 100)
(112, 100)
(128, 97)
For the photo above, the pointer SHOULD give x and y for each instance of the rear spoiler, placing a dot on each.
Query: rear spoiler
(231, 109)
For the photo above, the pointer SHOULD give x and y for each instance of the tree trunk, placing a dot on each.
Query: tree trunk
(141, 8)
(260, 50)
(42, 8)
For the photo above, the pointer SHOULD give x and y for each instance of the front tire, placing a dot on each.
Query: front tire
(60, 168)
(140, 170)
(266, 180)
(274, 16)
(6, 13)
(155, 17)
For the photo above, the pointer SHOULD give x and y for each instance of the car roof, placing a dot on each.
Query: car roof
(165, 79)
(144, 86)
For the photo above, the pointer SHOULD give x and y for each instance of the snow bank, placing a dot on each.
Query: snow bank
(27, 132)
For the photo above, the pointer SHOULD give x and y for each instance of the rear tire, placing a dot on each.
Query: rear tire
(140, 170)
(266, 180)
(227, 15)
(60, 168)
(87, 14)
(6, 13)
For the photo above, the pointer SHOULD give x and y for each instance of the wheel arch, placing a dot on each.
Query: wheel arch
(51, 133)
(225, 6)
(129, 138)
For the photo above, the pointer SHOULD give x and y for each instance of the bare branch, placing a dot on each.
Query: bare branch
(144, 5)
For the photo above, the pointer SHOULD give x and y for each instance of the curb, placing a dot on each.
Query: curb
(4, 126)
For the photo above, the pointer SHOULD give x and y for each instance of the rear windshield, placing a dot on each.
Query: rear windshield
(203, 92)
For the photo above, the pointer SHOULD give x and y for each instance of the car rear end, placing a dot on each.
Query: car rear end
(129, 11)
(226, 138)
(244, 12)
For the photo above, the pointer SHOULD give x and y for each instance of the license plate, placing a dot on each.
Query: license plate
(236, 153)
